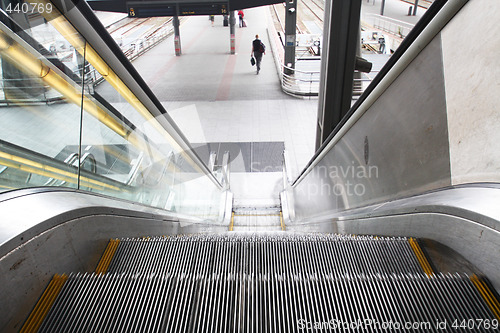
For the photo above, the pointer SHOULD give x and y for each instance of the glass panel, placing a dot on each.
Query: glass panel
(133, 147)
(62, 127)
(40, 124)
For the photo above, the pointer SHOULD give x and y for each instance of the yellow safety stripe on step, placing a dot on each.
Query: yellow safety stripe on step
(231, 225)
(282, 222)
(103, 265)
(44, 304)
(421, 257)
(487, 295)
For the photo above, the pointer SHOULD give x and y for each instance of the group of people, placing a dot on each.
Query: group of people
(241, 15)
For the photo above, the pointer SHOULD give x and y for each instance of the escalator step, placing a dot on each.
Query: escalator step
(220, 301)
(336, 254)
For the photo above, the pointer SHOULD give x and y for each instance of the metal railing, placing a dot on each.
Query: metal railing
(301, 83)
(138, 47)
(395, 27)
(306, 83)
(135, 49)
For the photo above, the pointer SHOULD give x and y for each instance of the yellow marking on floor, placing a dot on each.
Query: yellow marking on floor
(103, 265)
(282, 222)
(44, 304)
(421, 257)
(231, 225)
(487, 295)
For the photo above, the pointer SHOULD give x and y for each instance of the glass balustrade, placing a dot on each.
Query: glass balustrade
(59, 126)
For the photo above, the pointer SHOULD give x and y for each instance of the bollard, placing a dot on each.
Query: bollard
(410, 10)
(233, 43)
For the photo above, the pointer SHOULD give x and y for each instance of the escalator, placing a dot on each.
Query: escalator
(265, 282)
(396, 168)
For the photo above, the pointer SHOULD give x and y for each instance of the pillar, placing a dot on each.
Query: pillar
(177, 36)
(290, 33)
(232, 22)
(340, 41)
(415, 8)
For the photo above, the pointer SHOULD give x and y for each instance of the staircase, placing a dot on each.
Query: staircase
(265, 282)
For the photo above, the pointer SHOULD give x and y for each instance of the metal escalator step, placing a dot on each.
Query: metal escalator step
(336, 254)
(218, 299)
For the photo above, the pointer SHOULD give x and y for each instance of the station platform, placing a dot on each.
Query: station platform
(394, 9)
(216, 97)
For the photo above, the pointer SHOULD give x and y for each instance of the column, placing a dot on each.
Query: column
(232, 22)
(177, 36)
(290, 33)
(340, 40)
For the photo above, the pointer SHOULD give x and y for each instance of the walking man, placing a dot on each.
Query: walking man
(258, 49)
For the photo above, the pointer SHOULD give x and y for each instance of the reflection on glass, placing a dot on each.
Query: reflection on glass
(65, 128)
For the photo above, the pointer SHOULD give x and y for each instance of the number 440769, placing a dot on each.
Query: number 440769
(29, 8)
(475, 324)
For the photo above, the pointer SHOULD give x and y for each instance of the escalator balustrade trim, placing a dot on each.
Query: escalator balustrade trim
(44, 304)
(487, 295)
(426, 267)
(108, 255)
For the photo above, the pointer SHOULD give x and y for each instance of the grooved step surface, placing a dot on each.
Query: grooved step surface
(245, 253)
(225, 302)
(271, 282)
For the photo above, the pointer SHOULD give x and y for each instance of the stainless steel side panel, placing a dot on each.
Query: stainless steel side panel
(399, 147)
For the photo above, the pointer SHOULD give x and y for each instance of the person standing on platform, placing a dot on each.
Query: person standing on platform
(258, 49)
(241, 15)
(212, 18)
